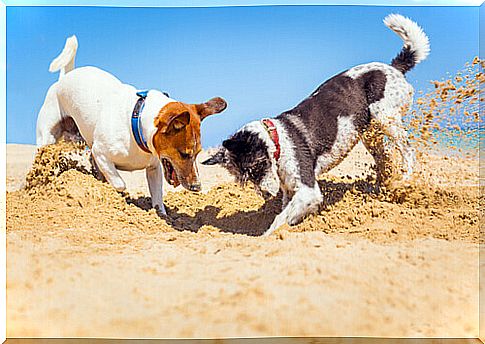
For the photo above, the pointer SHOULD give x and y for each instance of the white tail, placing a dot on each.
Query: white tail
(415, 40)
(65, 61)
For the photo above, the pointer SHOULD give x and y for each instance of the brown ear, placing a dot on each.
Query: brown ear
(172, 122)
(215, 105)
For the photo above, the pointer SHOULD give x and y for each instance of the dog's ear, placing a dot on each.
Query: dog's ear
(172, 122)
(217, 159)
(215, 105)
(230, 144)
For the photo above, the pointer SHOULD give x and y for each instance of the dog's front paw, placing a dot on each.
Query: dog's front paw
(295, 220)
(268, 232)
(161, 211)
(279, 222)
(295, 217)
(120, 188)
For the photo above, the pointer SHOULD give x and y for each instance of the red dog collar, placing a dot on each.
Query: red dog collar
(273, 133)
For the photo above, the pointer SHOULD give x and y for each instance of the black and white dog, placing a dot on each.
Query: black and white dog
(288, 152)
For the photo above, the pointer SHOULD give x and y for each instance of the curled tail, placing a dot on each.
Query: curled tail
(65, 61)
(416, 43)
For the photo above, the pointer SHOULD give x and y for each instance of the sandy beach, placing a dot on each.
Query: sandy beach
(85, 261)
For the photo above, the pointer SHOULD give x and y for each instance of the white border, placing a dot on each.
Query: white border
(134, 3)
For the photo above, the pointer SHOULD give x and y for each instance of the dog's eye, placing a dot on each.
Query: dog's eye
(185, 155)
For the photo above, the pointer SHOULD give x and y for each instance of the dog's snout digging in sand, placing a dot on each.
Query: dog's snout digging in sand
(287, 152)
(125, 129)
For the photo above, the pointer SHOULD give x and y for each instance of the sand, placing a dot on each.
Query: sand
(84, 260)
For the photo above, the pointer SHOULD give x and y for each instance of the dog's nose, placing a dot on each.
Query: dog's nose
(195, 187)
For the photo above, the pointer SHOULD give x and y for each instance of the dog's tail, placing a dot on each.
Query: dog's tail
(65, 61)
(416, 43)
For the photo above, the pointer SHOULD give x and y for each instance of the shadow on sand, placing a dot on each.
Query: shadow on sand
(254, 222)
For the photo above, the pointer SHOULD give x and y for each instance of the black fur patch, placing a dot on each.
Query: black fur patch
(373, 83)
(248, 158)
(303, 150)
(340, 96)
(404, 61)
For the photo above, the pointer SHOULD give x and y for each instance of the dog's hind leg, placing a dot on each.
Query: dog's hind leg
(305, 201)
(399, 136)
(48, 128)
(374, 141)
(389, 119)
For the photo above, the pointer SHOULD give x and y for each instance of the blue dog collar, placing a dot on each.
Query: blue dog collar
(135, 121)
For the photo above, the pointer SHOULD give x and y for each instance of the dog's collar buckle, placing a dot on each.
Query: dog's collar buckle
(273, 134)
(135, 122)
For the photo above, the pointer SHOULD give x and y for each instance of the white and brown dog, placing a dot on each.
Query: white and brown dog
(288, 152)
(125, 129)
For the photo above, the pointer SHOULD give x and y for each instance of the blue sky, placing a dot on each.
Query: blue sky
(262, 60)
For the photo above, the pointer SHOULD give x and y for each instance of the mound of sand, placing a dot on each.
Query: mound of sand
(52, 160)
(62, 189)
